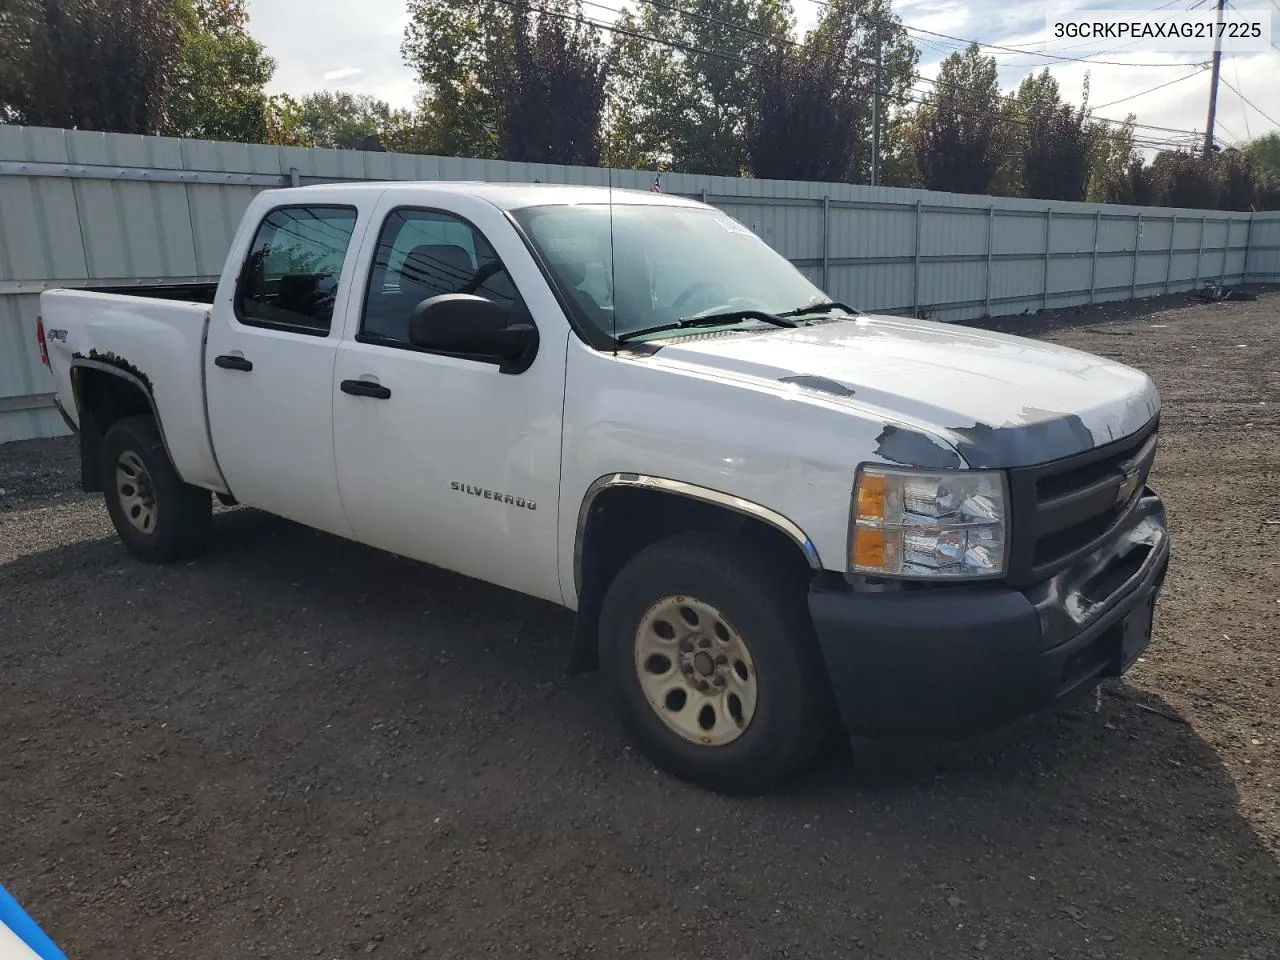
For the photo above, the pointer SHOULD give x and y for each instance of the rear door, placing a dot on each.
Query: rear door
(269, 364)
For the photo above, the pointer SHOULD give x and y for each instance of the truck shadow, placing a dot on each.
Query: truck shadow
(329, 704)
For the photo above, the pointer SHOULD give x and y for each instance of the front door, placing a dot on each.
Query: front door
(443, 458)
(269, 367)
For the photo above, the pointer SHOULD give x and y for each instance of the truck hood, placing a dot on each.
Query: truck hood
(995, 400)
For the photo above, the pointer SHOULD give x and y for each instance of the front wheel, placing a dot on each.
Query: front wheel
(708, 644)
(158, 516)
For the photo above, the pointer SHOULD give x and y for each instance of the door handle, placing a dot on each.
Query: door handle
(365, 388)
(227, 362)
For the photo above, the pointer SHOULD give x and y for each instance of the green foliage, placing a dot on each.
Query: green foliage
(93, 64)
(1112, 165)
(17, 21)
(342, 120)
(1181, 179)
(1231, 180)
(847, 28)
(460, 49)
(218, 90)
(1265, 152)
(958, 135)
(1053, 144)
(553, 96)
(283, 121)
(405, 132)
(682, 103)
(802, 125)
(812, 117)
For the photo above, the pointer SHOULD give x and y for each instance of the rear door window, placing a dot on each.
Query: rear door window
(290, 278)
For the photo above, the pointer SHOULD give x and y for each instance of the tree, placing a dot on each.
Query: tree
(553, 98)
(848, 29)
(958, 137)
(218, 91)
(406, 131)
(1112, 165)
(1238, 179)
(1135, 186)
(17, 22)
(1184, 179)
(284, 122)
(460, 49)
(342, 120)
(802, 125)
(1054, 141)
(1265, 152)
(680, 100)
(93, 64)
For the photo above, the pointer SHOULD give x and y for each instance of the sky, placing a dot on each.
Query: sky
(350, 46)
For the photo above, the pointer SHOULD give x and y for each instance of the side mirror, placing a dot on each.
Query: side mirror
(461, 323)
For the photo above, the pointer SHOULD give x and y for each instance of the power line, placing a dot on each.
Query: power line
(1235, 137)
(1168, 83)
(672, 8)
(1103, 53)
(1252, 104)
(1149, 142)
(609, 28)
(996, 46)
(742, 28)
(1235, 66)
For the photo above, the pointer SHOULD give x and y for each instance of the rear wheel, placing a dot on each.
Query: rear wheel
(158, 516)
(708, 644)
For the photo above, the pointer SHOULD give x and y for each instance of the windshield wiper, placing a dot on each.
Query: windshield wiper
(710, 320)
(825, 307)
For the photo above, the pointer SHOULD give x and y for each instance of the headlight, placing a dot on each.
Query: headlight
(909, 524)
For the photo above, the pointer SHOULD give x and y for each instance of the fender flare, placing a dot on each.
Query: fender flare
(131, 378)
(691, 491)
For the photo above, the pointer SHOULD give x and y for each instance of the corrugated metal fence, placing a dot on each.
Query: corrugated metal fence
(91, 209)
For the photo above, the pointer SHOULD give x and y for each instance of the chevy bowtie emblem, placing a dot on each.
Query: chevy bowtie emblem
(1129, 486)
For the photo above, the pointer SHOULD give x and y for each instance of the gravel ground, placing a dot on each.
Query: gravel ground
(299, 747)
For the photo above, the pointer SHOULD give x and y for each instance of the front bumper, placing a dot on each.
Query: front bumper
(947, 659)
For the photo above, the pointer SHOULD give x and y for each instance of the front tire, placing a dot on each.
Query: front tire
(158, 516)
(708, 646)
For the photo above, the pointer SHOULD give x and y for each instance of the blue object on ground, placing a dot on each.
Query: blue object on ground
(15, 918)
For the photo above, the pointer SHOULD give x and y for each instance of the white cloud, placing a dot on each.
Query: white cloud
(342, 73)
(307, 41)
(1131, 69)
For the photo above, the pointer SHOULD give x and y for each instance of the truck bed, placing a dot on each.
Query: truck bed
(201, 292)
(156, 341)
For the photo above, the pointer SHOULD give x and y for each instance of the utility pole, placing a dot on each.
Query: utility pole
(1213, 81)
(875, 110)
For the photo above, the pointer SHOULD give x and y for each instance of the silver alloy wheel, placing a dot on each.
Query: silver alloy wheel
(137, 495)
(695, 671)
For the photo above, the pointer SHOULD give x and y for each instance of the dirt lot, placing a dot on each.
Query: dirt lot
(299, 747)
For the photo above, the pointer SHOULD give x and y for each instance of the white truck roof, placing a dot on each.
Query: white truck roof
(504, 196)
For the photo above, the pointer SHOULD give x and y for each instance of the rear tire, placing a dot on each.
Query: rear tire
(158, 516)
(707, 644)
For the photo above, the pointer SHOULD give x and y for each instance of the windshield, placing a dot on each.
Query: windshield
(667, 263)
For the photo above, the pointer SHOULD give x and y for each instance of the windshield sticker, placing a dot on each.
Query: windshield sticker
(733, 226)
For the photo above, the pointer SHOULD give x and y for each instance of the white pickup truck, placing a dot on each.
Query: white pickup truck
(771, 512)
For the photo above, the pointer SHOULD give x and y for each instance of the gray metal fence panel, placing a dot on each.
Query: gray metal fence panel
(79, 208)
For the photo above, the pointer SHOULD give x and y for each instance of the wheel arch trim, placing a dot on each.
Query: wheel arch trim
(130, 378)
(690, 491)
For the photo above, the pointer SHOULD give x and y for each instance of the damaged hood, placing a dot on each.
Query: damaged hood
(996, 400)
